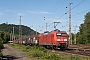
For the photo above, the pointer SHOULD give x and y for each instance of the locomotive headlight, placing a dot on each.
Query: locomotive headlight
(65, 39)
(29, 38)
(58, 39)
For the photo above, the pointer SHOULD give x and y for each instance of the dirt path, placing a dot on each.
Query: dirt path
(10, 53)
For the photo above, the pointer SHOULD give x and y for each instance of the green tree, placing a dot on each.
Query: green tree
(9, 27)
(6, 37)
(83, 36)
(1, 44)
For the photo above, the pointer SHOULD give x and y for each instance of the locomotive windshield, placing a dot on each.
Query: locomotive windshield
(63, 35)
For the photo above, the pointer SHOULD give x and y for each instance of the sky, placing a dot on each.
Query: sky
(36, 13)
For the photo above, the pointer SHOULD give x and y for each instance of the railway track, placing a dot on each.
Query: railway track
(75, 52)
(83, 52)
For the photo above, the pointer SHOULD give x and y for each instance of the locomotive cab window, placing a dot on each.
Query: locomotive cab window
(63, 35)
(58, 34)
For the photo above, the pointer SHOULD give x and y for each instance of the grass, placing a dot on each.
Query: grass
(40, 53)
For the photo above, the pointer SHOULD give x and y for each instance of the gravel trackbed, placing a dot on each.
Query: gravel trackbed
(10, 53)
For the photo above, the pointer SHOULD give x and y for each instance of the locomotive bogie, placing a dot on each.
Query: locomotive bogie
(63, 46)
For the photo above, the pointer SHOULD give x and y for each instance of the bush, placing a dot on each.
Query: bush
(1, 47)
(0, 54)
(1, 44)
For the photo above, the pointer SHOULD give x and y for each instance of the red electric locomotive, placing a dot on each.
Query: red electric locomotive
(54, 39)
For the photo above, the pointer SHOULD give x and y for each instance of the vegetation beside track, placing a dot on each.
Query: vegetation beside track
(1, 47)
(40, 53)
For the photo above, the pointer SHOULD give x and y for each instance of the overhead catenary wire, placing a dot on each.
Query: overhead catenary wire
(70, 36)
(78, 4)
(80, 12)
(68, 11)
(50, 24)
(59, 5)
(55, 6)
(71, 9)
(62, 10)
(77, 13)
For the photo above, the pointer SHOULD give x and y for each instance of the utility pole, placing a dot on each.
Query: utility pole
(75, 34)
(13, 33)
(20, 30)
(46, 24)
(11, 36)
(70, 35)
(70, 22)
(36, 31)
(55, 24)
